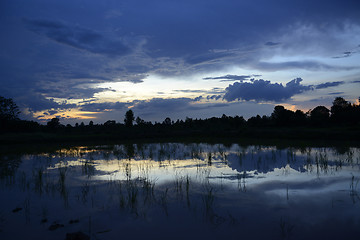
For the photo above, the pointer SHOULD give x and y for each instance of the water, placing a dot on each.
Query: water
(178, 191)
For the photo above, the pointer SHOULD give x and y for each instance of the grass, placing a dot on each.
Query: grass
(163, 201)
(187, 188)
(38, 175)
(61, 184)
(132, 194)
(286, 229)
(27, 208)
(208, 201)
(353, 189)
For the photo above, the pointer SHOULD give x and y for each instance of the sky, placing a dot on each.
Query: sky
(93, 60)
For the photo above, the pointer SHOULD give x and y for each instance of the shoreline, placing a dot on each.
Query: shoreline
(283, 137)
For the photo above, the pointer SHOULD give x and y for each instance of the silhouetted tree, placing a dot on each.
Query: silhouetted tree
(167, 121)
(91, 124)
(109, 123)
(139, 121)
(255, 121)
(8, 109)
(319, 115)
(300, 118)
(282, 116)
(341, 110)
(53, 123)
(129, 118)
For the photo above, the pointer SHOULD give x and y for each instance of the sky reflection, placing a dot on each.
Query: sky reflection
(213, 190)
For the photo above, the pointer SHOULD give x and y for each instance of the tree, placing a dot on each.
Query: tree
(53, 123)
(319, 115)
(341, 110)
(299, 117)
(109, 123)
(129, 118)
(167, 121)
(282, 116)
(8, 109)
(139, 121)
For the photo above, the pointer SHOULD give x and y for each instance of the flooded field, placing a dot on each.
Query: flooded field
(181, 191)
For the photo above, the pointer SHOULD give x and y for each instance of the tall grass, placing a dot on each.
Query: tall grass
(62, 184)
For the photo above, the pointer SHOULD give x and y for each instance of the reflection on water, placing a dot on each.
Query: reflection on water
(181, 191)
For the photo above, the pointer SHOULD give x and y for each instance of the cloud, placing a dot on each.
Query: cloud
(271, 44)
(133, 78)
(190, 91)
(128, 40)
(176, 108)
(51, 112)
(78, 37)
(230, 77)
(36, 102)
(164, 104)
(261, 90)
(345, 55)
(328, 84)
(101, 107)
(197, 99)
(213, 97)
(336, 93)
(134, 81)
(152, 106)
(71, 92)
(85, 75)
(307, 65)
(349, 53)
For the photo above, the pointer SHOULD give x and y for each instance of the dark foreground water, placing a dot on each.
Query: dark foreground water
(181, 191)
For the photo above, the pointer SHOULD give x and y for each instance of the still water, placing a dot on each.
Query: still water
(181, 191)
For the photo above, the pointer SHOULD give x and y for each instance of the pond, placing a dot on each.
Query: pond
(181, 191)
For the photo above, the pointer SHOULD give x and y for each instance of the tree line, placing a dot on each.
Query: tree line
(341, 113)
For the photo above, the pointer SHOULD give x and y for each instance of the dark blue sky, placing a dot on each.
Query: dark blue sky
(84, 59)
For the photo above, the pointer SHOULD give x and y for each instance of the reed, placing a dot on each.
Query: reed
(163, 201)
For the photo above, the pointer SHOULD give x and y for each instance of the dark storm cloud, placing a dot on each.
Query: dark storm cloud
(261, 90)
(78, 37)
(328, 84)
